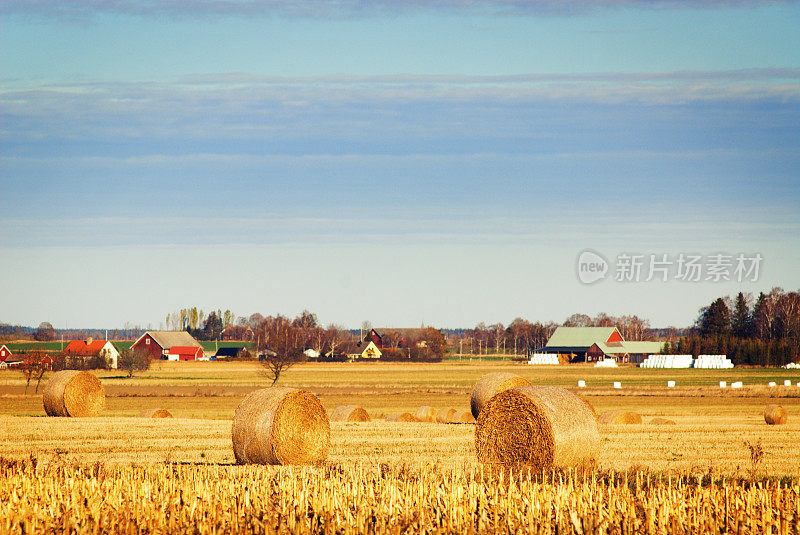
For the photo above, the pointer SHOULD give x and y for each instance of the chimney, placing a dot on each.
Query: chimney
(89, 340)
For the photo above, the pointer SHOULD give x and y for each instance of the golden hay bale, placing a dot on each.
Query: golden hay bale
(491, 384)
(537, 426)
(591, 407)
(426, 413)
(74, 393)
(662, 421)
(349, 413)
(401, 417)
(443, 415)
(281, 426)
(461, 417)
(775, 415)
(155, 413)
(620, 417)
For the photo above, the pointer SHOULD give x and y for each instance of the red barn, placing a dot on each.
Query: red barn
(184, 353)
(158, 343)
(4, 353)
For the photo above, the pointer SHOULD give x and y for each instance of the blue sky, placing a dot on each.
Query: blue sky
(433, 161)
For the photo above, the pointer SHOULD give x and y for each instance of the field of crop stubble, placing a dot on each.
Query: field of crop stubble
(125, 473)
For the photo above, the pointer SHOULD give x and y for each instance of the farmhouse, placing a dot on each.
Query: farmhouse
(158, 343)
(363, 350)
(184, 353)
(86, 349)
(4, 353)
(596, 343)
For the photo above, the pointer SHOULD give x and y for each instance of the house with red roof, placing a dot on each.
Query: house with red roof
(88, 348)
(184, 353)
(4, 353)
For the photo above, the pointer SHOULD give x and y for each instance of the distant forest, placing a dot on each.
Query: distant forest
(762, 330)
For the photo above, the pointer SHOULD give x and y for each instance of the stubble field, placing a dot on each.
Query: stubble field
(711, 442)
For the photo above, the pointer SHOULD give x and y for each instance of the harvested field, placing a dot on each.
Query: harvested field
(368, 498)
(711, 441)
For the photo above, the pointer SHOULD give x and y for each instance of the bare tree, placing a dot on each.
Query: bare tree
(335, 335)
(33, 367)
(279, 346)
(133, 361)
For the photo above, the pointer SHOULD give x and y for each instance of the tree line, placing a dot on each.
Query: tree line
(761, 331)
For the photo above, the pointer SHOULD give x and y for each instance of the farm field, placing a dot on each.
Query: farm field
(404, 476)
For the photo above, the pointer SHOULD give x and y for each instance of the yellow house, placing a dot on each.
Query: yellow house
(362, 350)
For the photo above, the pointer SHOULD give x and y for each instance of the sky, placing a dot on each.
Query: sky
(443, 162)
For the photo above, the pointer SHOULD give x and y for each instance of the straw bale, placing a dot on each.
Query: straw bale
(155, 413)
(620, 417)
(537, 426)
(775, 415)
(591, 407)
(401, 417)
(491, 384)
(461, 417)
(662, 421)
(443, 415)
(74, 393)
(426, 413)
(349, 413)
(281, 426)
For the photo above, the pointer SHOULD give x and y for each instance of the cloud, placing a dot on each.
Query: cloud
(86, 10)
(403, 114)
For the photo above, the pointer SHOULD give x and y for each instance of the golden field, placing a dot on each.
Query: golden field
(120, 472)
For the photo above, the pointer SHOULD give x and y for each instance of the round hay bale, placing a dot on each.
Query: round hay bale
(401, 417)
(349, 413)
(775, 415)
(74, 393)
(591, 407)
(620, 417)
(443, 415)
(281, 426)
(426, 413)
(155, 413)
(662, 421)
(537, 426)
(491, 384)
(461, 417)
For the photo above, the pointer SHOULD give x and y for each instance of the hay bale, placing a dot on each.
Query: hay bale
(537, 426)
(620, 417)
(349, 413)
(281, 426)
(74, 393)
(443, 415)
(155, 413)
(461, 417)
(491, 384)
(426, 413)
(662, 421)
(775, 415)
(401, 417)
(591, 407)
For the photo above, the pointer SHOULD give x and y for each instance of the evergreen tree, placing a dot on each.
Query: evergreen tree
(740, 322)
(212, 330)
(716, 320)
